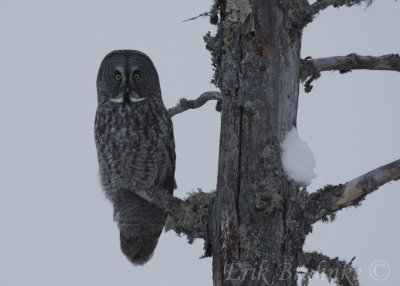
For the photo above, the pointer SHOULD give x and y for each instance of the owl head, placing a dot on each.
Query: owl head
(127, 77)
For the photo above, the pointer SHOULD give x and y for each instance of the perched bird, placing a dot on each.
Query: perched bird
(135, 148)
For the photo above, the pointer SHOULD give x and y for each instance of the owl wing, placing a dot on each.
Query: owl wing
(170, 183)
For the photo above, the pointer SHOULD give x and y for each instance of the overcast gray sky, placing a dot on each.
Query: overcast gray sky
(56, 227)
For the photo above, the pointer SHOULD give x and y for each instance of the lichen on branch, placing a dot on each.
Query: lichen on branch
(341, 271)
(330, 199)
(193, 219)
(320, 5)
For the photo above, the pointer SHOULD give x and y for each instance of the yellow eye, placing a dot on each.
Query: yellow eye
(118, 76)
(136, 75)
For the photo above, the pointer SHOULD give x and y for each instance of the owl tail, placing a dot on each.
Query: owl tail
(140, 224)
(138, 250)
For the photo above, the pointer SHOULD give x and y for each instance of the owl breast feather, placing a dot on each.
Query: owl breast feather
(134, 148)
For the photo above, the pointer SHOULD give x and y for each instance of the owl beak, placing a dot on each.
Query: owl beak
(135, 97)
(126, 95)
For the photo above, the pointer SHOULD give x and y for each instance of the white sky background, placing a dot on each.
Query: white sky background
(56, 227)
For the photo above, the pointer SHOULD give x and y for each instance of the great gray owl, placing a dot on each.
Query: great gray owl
(135, 148)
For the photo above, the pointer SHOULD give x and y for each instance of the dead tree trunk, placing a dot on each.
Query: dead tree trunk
(257, 230)
(256, 222)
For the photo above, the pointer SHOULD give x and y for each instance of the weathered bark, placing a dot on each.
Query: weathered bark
(256, 231)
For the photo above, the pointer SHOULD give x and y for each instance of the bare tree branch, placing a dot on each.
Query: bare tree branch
(330, 199)
(311, 68)
(343, 272)
(198, 16)
(185, 104)
(320, 5)
(356, 62)
(213, 13)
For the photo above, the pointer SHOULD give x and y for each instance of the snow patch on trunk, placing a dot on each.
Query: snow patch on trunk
(297, 159)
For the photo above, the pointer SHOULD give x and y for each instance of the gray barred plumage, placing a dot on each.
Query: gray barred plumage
(135, 148)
